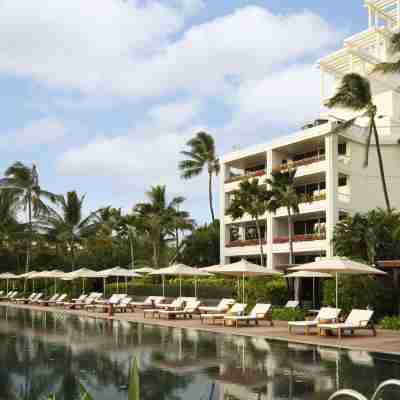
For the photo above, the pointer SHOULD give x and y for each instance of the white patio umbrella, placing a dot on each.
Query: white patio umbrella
(338, 266)
(7, 276)
(309, 274)
(26, 276)
(82, 273)
(181, 270)
(117, 272)
(144, 270)
(243, 269)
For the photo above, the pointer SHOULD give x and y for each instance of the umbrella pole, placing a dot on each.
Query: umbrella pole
(243, 287)
(7, 286)
(195, 287)
(104, 287)
(337, 290)
(117, 284)
(180, 286)
(163, 286)
(313, 292)
(55, 285)
(126, 285)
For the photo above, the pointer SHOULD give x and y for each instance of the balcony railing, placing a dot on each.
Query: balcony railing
(300, 238)
(248, 175)
(312, 198)
(299, 163)
(245, 243)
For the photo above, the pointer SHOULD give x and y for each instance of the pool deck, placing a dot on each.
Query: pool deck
(385, 342)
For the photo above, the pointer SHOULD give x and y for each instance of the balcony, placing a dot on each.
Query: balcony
(245, 243)
(300, 238)
(299, 163)
(238, 178)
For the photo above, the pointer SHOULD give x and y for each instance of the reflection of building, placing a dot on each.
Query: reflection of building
(330, 174)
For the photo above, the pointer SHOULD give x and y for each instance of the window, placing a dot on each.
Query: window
(342, 181)
(342, 149)
(234, 234)
(251, 232)
(259, 167)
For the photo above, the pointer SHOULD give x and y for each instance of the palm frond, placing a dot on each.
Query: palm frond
(387, 68)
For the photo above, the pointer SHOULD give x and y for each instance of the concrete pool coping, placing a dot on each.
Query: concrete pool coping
(386, 342)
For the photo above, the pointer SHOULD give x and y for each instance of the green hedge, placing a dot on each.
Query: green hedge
(392, 323)
(362, 292)
(288, 314)
(264, 290)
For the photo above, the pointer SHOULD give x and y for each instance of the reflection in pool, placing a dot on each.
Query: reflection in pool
(42, 352)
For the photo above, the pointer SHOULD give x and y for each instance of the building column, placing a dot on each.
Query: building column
(332, 212)
(270, 217)
(223, 233)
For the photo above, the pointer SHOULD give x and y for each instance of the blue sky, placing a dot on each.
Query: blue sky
(103, 94)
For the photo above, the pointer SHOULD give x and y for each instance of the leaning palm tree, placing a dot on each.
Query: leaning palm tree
(355, 94)
(283, 194)
(69, 225)
(253, 199)
(23, 182)
(394, 49)
(201, 154)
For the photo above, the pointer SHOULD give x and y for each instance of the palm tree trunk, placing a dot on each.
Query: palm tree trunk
(155, 254)
(290, 230)
(381, 169)
(260, 241)
(29, 244)
(210, 196)
(72, 255)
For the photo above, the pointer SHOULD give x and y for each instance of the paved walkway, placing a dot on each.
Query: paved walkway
(384, 342)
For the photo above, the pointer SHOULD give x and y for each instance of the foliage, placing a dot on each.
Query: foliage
(392, 323)
(201, 155)
(288, 314)
(261, 290)
(394, 49)
(362, 292)
(369, 237)
(201, 247)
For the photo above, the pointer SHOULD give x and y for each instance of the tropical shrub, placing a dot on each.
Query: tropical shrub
(392, 323)
(288, 314)
(260, 290)
(362, 292)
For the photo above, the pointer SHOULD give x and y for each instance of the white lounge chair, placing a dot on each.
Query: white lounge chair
(35, 299)
(292, 304)
(123, 305)
(101, 305)
(223, 306)
(258, 312)
(149, 302)
(325, 314)
(357, 319)
(190, 308)
(45, 302)
(177, 304)
(59, 300)
(25, 299)
(236, 309)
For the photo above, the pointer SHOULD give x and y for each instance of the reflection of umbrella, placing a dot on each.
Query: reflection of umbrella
(243, 269)
(338, 265)
(7, 276)
(309, 274)
(180, 270)
(117, 272)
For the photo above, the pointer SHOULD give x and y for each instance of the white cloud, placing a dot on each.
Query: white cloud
(37, 132)
(130, 48)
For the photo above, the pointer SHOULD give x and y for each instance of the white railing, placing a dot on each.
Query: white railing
(358, 396)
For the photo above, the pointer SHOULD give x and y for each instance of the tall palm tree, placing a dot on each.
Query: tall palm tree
(355, 94)
(201, 155)
(394, 66)
(23, 182)
(157, 218)
(69, 225)
(253, 199)
(283, 194)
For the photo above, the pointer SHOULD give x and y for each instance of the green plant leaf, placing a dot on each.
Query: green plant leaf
(84, 394)
(134, 383)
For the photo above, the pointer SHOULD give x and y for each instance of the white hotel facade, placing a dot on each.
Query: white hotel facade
(329, 166)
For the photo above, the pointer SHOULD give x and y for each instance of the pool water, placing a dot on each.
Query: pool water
(44, 352)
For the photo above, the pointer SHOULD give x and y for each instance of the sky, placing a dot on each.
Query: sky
(104, 94)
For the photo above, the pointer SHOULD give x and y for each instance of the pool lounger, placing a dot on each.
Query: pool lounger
(223, 306)
(328, 314)
(237, 309)
(150, 302)
(190, 309)
(357, 319)
(259, 312)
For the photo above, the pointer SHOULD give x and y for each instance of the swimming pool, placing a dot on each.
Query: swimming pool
(45, 352)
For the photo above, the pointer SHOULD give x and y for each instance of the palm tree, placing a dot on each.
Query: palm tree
(394, 48)
(68, 225)
(253, 199)
(283, 194)
(157, 218)
(355, 94)
(201, 154)
(23, 182)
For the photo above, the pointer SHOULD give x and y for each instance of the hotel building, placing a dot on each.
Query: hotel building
(329, 167)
